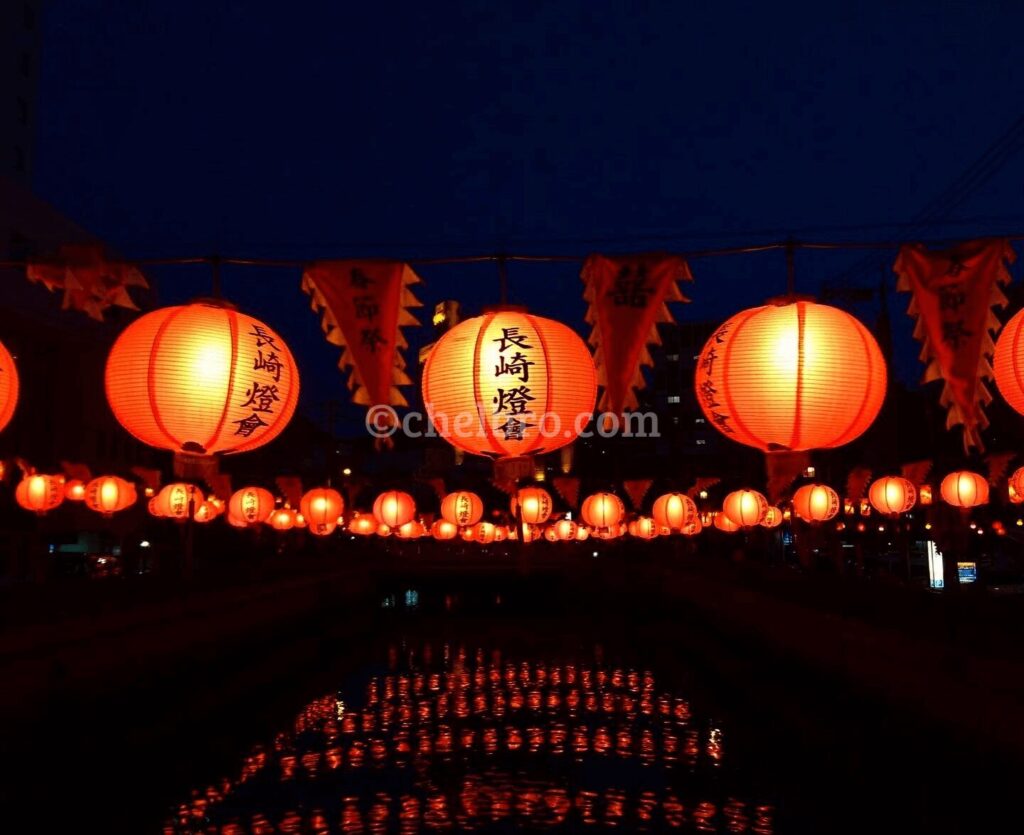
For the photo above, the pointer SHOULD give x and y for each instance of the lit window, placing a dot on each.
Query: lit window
(673, 398)
(700, 420)
(701, 442)
(672, 357)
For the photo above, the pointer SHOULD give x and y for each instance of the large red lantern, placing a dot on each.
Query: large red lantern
(40, 493)
(964, 489)
(394, 508)
(892, 495)
(791, 376)
(321, 508)
(1008, 362)
(745, 508)
(816, 503)
(1017, 486)
(250, 506)
(534, 503)
(462, 508)
(201, 378)
(109, 494)
(602, 510)
(674, 511)
(508, 383)
(8, 386)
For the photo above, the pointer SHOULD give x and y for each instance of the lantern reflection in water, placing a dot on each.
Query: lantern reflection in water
(457, 740)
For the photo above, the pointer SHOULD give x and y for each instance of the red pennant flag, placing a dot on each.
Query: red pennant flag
(220, 484)
(568, 487)
(998, 464)
(363, 306)
(857, 482)
(782, 469)
(91, 283)
(953, 295)
(627, 298)
(636, 489)
(74, 471)
(916, 472)
(149, 478)
(702, 483)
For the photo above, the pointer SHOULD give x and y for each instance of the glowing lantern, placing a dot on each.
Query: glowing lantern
(1017, 486)
(772, 518)
(201, 378)
(74, 491)
(282, 519)
(892, 495)
(535, 503)
(791, 376)
(467, 534)
(725, 524)
(394, 508)
(462, 508)
(483, 533)
(566, 529)
(745, 508)
(236, 522)
(693, 528)
(321, 507)
(153, 506)
(816, 503)
(383, 530)
(1007, 363)
(602, 510)
(410, 530)
(40, 493)
(8, 386)
(500, 533)
(643, 527)
(924, 495)
(964, 489)
(250, 506)
(174, 499)
(362, 524)
(443, 530)
(674, 511)
(522, 381)
(530, 533)
(109, 494)
(206, 512)
(582, 533)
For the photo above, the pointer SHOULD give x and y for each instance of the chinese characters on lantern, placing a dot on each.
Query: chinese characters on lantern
(707, 391)
(513, 402)
(262, 396)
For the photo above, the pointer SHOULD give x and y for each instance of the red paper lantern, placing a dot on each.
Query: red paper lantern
(772, 517)
(509, 384)
(201, 378)
(321, 508)
(745, 508)
(173, 501)
(602, 510)
(1008, 362)
(206, 512)
(394, 508)
(363, 524)
(410, 530)
(816, 503)
(566, 529)
(1017, 486)
(250, 506)
(582, 533)
(282, 519)
(892, 495)
(74, 490)
(725, 524)
(674, 511)
(500, 533)
(964, 489)
(109, 494)
(483, 532)
(40, 493)
(643, 527)
(692, 528)
(8, 386)
(535, 503)
(444, 530)
(462, 508)
(791, 376)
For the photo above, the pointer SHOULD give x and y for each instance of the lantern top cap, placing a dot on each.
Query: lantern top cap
(788, 299)
(209, 301)
(506, 308)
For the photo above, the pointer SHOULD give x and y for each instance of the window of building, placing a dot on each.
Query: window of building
(672, 357)
(701, 442)
(673, 398)
(700, 420)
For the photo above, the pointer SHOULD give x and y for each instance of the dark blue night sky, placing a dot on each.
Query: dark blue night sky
(312, 130)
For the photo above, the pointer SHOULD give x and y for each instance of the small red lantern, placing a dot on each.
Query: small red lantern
(250, 506)
(444, 530)
(566, 529)
(40, 493)
(725, 524)
(462, 508)
(483, 532)
(964, 489)
(282, 519)
(109, 494)
(582, 533)
(745, 508)
(535, 503)
(643, 527)
(772, 517)
(362, 524)
(410, 530)
(816, 503)
(176, 501)
(8, 386)
(394, 508)
(892, 495)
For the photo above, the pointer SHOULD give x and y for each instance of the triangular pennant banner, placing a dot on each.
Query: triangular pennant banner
(627, 298)
(91, 283)
(781, 470)
(636, 489)
(150, 478)
(954, 292)
(75, 471)
(568, 487)
(916, 472)
(857, 482)
(291, 489)
(998, 464)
